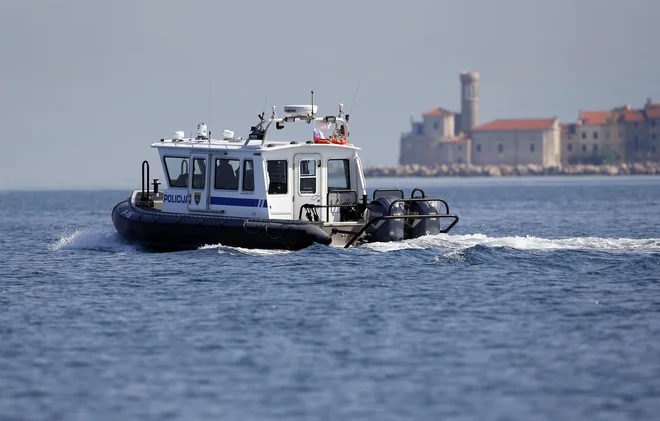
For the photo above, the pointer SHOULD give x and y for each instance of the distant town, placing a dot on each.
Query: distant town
(622, 140)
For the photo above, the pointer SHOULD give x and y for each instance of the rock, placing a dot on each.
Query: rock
(494, 172)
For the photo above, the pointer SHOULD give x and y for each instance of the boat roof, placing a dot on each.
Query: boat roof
(258, 137)
(224, 145)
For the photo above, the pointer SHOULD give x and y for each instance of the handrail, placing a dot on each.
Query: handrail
(143, 196)
(417, 189)
(426, 199)
(263, 131)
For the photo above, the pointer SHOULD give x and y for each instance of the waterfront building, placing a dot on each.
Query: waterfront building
(631, 134)
(594, 132)
(568, 142)
(653, 118)
(442, 136)
(434, 141)
(516, 142)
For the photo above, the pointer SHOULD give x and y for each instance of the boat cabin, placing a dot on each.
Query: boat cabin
(259, 178)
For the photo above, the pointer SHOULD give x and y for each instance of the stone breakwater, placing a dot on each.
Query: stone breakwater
(464, 170)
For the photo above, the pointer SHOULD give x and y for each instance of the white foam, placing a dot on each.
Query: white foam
(240, 250)
(91, 240)
(111, 241)
(452, 243)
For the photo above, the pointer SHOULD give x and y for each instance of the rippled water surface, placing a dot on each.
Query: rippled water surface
(543, 303)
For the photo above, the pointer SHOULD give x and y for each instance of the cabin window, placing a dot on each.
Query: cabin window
(177, 170)
(277, 174)
(248, 175)
(339, 175)
(226, 174)
(199, 173)
(308, 176)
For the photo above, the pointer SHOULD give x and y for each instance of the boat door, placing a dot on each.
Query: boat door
(198, 183)
(308, 183)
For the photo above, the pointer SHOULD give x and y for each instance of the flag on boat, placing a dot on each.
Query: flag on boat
(318, 134)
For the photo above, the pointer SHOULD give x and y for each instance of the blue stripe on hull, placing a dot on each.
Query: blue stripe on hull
(239, 201)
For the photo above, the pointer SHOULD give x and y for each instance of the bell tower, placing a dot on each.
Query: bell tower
(469, 100)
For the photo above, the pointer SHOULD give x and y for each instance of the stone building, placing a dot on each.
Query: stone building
(516, 142)
(441, 136)
(632, 134)
(641, 131)
(433, 141)
(594, 131)
(567, 142)
(653, 119)
(446, 137)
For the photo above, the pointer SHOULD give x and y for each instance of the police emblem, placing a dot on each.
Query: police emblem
(198, 197)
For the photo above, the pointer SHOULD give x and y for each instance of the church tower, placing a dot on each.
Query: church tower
(469, 100)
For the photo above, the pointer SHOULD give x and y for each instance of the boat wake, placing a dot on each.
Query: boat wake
(93, 240)
(108, 241)
(236, 251)
(451, 243)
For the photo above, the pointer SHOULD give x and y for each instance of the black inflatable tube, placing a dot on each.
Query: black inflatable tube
(172, 232)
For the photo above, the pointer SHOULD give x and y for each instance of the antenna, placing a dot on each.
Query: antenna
(209, 120)
(354, 96)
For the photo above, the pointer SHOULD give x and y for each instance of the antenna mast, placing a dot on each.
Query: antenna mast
(354, 96)
(209, 126)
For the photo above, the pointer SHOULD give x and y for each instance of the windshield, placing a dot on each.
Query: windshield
(177, 170)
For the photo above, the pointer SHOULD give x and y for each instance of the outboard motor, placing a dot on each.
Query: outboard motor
(387, 229)
(424, 226)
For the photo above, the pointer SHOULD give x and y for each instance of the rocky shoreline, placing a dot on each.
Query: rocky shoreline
(464, 170)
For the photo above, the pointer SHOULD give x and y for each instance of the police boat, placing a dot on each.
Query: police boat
(259, 193)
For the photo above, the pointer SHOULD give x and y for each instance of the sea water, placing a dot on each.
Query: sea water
(542, 303)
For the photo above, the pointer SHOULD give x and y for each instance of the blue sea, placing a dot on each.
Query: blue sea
(542, 304)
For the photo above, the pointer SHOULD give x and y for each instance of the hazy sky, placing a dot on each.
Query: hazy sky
(87, 86)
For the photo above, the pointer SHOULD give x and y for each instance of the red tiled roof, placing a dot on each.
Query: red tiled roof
(438, 111)
(653, 112)
(563, 128)
(633, 115)
(519, 124)
(595, 117)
